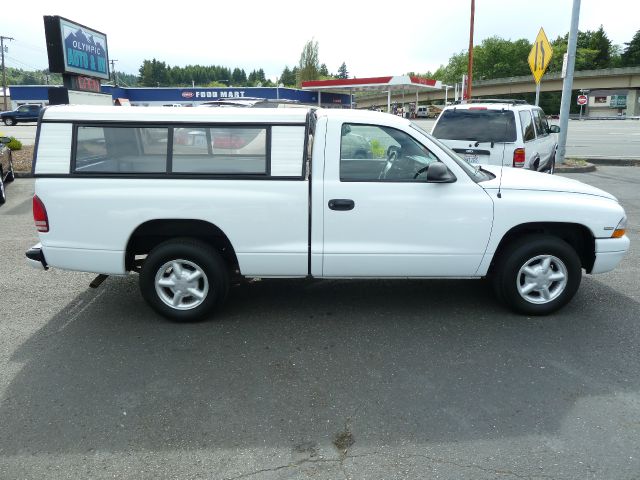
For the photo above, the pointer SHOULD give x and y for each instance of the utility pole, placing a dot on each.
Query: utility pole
(567, 84)
(470, 65)
(4, 75)
(113, 69)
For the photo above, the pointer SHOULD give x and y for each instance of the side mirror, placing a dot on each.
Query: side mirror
(5, 140)
(438, 172)
(554, 129)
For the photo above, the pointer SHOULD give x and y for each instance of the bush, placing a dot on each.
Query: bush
(14, 144)
(377, 149)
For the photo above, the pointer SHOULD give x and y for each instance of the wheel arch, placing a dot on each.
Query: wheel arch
(575, 234)
(153, 232)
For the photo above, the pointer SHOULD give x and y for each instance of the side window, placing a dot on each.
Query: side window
(528, 132)
(545, 122)
(23, 108)
(121, 150)
(376, 153)
(239, 150)
(540, 130)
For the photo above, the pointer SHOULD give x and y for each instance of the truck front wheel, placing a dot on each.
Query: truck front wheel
(537, 274)
(184, 279)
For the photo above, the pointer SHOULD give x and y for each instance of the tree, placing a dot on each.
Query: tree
(308, 66)
(154, 73)
(238, 77)
(631, 55)
(256, 78)
(324, 71)
(342, 71)
(600, 46)
(288, 77)
(559, 46)
(496, 57)
(453, 71)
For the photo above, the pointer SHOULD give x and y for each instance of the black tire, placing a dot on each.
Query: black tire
(200, 254)
(3, 194)
(507, 276)
(552, 164)
(11, 175)
(9, 121)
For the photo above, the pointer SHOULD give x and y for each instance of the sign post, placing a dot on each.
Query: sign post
(582, 101)
(539, 58)
(80, 54)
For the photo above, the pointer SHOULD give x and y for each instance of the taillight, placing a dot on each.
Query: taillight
(40, 215)
(518, 157)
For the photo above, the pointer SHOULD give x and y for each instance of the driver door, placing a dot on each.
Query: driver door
(381, 217)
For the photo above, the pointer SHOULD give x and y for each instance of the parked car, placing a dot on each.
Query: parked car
(304, 205)
(427, 111)
(499, 132)
(354, 145)
(28, 112)
(6, 168)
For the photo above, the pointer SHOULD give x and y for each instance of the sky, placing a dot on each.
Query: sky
(372, 38)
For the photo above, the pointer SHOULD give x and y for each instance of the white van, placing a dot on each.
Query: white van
(422, 111)
(191, 197)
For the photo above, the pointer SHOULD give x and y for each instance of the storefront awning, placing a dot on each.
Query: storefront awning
(393, 84)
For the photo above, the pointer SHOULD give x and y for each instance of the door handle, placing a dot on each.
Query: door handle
(341, 204)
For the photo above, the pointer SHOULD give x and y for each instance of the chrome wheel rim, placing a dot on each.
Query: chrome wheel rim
(181, 284)
(542, 279)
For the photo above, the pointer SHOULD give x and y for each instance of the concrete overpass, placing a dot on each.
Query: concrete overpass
(606, 79)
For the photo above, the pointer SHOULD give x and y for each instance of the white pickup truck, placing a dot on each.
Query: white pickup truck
(189, 198)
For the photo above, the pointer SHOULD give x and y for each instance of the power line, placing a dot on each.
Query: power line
(31, 47)
(25, 64)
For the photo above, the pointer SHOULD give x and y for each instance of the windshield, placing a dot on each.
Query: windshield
(476, 174)
(476, 125)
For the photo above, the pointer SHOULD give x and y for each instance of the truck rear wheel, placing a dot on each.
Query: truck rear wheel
(184, 279)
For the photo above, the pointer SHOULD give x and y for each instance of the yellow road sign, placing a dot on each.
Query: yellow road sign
(540, 56)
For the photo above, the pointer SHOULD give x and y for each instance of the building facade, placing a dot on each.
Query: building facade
(189, 97)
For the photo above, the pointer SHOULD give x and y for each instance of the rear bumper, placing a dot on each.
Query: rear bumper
(35, 257)
(609, 253)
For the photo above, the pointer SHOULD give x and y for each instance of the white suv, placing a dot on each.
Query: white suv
(499, 132)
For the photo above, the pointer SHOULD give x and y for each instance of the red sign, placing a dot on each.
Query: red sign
(187, 94)
(582, 99)
(87, 84)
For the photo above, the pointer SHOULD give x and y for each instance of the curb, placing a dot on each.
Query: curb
(611, 161)
(589, 167)
(23, 174)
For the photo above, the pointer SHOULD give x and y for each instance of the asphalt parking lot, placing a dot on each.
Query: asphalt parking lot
(323, 380)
